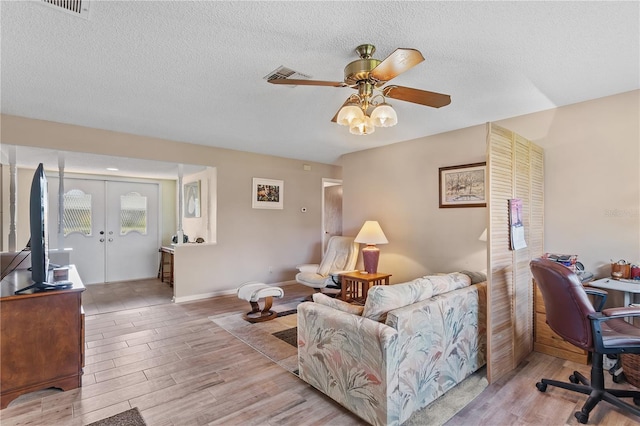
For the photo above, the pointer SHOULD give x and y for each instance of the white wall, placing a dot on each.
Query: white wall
(397, 185)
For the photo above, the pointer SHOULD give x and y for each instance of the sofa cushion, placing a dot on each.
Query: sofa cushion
(337, 304)
(476, 277)
(384, 298)
(449, 282)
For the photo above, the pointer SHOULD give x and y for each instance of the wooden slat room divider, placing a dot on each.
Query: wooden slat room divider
(515, 168)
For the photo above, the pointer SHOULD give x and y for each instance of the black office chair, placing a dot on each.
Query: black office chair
(571, 315)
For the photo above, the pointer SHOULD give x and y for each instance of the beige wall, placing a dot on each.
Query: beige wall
(592, 194)
(397, 185)
(23, 187)
(168, 194)
(249, 241)
(203, 226)
(592, 190)
(592, 177)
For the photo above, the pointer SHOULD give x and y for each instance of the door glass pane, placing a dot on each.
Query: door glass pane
(77, 212)
(133, 213)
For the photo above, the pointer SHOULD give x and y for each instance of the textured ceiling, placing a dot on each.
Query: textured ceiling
(193, 71)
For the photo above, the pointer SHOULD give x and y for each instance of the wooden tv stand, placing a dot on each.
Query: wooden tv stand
(41, 337)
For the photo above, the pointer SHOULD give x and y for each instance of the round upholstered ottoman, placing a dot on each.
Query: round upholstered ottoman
(252, 293)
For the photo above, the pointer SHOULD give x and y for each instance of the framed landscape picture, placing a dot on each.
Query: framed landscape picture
(267, 194)
(463, 186)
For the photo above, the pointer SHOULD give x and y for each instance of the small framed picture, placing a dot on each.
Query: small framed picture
(192, 199)
(463, 186)
(267, 194)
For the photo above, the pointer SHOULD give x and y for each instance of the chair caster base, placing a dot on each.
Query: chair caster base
(582, 417)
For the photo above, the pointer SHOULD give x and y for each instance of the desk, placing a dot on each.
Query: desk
(628, 288)
(42, 337)
(355, 285)
(166, 258)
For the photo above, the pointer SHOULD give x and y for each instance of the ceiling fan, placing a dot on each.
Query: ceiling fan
(367, 109)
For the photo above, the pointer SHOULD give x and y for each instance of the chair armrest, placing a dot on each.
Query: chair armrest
(626, 311)
(622, 329)
(341, 272)
(308, 267)
(601, 296)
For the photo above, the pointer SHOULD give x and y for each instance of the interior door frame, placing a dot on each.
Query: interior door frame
(325, 183)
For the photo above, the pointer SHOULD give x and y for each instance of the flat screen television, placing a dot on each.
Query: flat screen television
(39, 242)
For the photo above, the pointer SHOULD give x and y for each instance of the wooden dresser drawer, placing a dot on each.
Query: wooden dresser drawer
(547, 341)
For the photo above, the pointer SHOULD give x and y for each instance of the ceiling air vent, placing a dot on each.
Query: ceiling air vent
(73, 7)
(284, 73)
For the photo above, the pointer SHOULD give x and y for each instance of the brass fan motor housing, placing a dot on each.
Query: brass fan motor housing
(359, 70)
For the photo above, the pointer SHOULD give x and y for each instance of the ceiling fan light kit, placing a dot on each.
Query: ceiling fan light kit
(366, 110)
(384, 116)
(348, 113)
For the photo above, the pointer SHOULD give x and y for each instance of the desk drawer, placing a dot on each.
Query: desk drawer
(546, 336)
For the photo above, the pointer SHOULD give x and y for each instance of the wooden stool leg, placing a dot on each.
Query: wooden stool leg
(257, 315)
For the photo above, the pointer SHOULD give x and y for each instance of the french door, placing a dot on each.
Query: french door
(112, 227)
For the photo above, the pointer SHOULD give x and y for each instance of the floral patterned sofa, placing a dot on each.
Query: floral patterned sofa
(407, 346)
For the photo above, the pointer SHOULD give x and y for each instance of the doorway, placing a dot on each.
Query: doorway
(112, 227)
(331, 210)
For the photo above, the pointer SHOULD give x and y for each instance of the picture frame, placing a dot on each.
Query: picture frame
(191, 197)
(463, 186)
(267, 194)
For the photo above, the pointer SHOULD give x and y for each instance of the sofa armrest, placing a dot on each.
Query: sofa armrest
(446, 337)
(338, 304)
(308, 267)
(351, 359)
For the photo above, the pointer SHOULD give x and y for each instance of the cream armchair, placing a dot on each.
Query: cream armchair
(341, 256)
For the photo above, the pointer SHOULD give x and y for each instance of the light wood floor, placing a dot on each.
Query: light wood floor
(179, 368)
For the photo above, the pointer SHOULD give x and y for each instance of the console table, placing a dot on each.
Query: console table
(41, 337)
(355, 285)
(163, 274)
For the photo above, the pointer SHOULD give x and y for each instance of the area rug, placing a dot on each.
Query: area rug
(260, 336)
(289, 336)
(444, 408)
(130, 417)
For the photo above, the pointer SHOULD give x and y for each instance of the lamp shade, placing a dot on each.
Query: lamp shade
(384, 116)
(348, 113)
(362, 126)
(371, 234)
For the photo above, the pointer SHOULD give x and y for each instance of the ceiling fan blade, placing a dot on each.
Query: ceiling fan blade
(293, 82)
(417, 96)
(395, 64)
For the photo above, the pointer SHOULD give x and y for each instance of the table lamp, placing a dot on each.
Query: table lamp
(371, 234)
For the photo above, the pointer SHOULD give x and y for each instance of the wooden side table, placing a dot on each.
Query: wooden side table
(355, 285)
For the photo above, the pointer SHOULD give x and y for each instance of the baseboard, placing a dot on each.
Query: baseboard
(201, 296)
